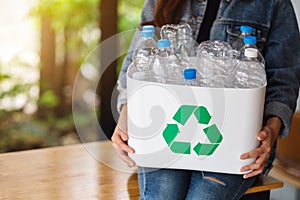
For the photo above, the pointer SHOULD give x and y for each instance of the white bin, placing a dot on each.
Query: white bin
(174, 126)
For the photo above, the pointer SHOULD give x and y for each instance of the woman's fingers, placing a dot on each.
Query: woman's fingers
(266, 136)
(124, 156)
(254, 173)
(253, 154)
(124, 136)
(260, 162)
(257, 167)
(119, 137)
(261, 154)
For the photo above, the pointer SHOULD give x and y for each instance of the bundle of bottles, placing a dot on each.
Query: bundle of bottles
(177, 59)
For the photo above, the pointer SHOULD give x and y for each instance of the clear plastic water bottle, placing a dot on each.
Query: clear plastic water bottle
(245, 31)
(166, 65)
(150, 28)
(169, 31)
(250, 42)
(249, 72)
(185, 43)
(146, 48)
(190, 77)
(215, 60)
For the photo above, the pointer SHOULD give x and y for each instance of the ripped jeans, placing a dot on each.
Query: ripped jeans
(164, 184)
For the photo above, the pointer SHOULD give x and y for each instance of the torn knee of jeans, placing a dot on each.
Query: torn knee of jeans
(213, 179)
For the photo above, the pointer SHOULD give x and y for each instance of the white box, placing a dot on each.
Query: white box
(153, 125)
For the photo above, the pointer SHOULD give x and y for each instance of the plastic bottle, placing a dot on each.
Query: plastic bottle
(145, 49)
(166, 65)
(185, 44)
(215, 59)
(150, 28)
(249, 72)
(169, 31)
(250, 42)
(190, 77)
(245, 31)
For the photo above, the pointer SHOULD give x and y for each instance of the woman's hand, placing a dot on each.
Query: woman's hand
(120, 137)
(267, 137)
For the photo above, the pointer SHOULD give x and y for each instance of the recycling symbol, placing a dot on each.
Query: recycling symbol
(203, 117)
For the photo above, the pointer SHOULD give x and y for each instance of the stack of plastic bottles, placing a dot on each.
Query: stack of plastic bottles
(177, 59)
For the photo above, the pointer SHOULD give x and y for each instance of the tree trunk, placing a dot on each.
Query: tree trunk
(48, 65)
(66, 75)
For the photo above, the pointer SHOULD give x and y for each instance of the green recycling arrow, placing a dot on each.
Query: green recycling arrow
(214, 136)
(203, 117)
(181, 147)
(205, 149)
(170, 133)
(184, 113)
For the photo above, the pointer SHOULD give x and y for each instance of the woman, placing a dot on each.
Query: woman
(276, 30)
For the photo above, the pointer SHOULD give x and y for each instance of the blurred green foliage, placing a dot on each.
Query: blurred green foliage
(13, 84)
(129, 14)
(20, 132)
(48, 99)
(129, 19)
(80, 18)
(68, 12)
(76, 20)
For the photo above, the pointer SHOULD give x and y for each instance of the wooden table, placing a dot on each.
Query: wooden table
(68, 173)
(83, 172)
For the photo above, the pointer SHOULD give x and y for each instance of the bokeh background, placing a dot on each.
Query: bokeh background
(42, 46)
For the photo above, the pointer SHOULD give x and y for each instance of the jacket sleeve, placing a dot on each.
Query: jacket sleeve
(282, 57)
(147, 15)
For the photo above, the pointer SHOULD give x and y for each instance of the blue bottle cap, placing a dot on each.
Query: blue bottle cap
(189, 74)
(146, 33)
(163, 43)
(246, 29)
(250, 40)
(148, 27)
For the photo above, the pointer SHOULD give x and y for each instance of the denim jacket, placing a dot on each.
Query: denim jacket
(276, 29)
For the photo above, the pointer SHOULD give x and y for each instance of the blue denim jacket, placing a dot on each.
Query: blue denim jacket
(276, 29)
